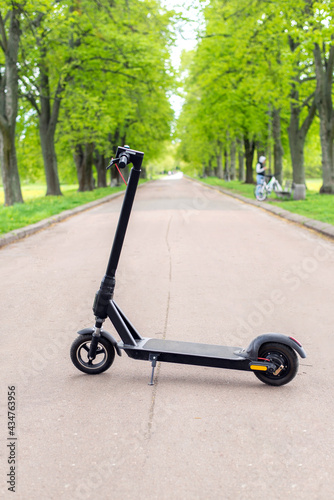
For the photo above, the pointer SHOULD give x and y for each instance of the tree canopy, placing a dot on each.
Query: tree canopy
(88, 74)
(261, 72)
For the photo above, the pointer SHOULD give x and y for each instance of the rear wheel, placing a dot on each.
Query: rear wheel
(286, 362)
(105, 355)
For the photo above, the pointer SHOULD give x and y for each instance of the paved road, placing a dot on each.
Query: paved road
(197, 265)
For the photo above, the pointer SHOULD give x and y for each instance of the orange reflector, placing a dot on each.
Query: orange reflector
(258, 367)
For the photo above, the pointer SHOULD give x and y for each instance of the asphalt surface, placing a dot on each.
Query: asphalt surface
(197, 266)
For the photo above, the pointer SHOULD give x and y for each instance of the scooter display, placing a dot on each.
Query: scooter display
(272, 357)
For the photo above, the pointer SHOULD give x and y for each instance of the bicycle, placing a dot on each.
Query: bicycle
(265, 188)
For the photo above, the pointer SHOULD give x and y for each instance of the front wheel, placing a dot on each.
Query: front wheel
(105, 355)
(284, 358)
(260, 192)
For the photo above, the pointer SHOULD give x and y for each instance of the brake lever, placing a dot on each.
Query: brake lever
(112, 162)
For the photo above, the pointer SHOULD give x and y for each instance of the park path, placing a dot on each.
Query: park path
(197, 265)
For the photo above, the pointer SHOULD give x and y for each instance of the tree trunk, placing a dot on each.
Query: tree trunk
(278, 148)
(210, 169)
(49, 159)
(83, 158)
(261, 151)
(297, 133)
(268, 154)
(226, 166)
(324, 75)
(233, 153)
(100, 166)
(114, 141)
(10, 174)
(115, 177)
(48, 119)
(241, 160)
(219, 172)
(249, 153)
(297, 136)
(8, 108)
(296, 143)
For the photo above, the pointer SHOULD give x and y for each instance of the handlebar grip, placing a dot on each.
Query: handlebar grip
(123, 160)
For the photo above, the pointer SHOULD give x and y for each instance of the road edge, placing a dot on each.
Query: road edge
(318, 226)
(321, 227)
(23, 232)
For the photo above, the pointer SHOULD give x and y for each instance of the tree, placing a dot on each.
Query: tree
(46, 67)
(302, 98)
(121, 87)
(251, 60)
(324, 72)
(322, 37)
(10, 34)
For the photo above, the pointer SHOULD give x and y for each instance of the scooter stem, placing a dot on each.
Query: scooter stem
(106, 291)
(123, 222)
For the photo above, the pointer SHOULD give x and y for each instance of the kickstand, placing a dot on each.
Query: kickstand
(153, 358)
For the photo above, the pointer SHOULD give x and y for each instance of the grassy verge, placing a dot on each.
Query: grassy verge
(315, 206)
(37, 207)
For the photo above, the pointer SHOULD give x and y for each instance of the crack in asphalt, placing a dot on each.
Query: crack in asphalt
(156, 377)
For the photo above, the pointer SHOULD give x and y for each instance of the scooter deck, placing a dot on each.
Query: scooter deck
(174, 351)
(215, 351)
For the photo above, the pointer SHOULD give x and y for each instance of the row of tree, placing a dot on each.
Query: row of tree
(91, 74)
(261, 74)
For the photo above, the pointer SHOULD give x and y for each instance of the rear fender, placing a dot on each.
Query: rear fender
(105, 334)
(253, 349)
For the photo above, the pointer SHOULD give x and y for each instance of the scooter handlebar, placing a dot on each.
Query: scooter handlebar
(125, 155)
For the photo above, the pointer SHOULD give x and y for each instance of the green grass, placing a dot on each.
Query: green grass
(32, 191)
(37, 206)
(315, 206)
(236, 186)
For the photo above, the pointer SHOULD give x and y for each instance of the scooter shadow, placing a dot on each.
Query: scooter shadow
(243, 381)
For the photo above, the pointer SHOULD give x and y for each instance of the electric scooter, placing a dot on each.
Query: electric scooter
(271, 357)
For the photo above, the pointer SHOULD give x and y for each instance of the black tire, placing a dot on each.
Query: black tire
(260, 193)
(279, 354)
(105, 355)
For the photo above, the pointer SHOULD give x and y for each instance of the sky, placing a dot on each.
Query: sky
(186, 37)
